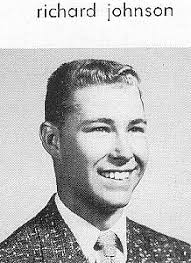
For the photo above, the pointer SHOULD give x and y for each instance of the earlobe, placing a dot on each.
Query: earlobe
(50, 138)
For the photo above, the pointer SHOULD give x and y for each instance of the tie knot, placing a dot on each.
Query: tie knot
(107, 243)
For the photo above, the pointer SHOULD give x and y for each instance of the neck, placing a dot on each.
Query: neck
(99, 216)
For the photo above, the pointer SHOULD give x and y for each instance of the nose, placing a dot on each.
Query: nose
(122, 151)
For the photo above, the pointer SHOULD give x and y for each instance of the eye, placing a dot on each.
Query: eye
(97, 129)
(100, 129)
(137, 129)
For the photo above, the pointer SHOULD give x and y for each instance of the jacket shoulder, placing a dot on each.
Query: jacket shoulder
(161, 247)
(24, 244)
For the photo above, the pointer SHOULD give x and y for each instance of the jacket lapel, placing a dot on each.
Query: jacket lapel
(58, 243)
(137, 246)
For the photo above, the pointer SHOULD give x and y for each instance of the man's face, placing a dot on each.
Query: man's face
(103, 145)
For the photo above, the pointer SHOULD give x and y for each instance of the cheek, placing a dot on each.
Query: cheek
(140, 147)
(94, 146)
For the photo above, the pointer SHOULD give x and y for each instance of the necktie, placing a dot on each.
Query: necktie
(107, 245)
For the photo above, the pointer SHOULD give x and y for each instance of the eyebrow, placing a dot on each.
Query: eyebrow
(102, 120)
(111, 122)
(137, 121)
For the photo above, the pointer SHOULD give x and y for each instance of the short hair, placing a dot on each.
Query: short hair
(78, 74)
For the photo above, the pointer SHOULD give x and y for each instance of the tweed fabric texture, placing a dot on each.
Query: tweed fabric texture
(47, 239)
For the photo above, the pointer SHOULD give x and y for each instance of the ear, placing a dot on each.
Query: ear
(50, 138)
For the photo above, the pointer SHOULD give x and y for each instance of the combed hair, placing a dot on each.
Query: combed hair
(78, 74)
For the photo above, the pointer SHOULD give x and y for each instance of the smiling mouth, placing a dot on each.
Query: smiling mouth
(116, 174)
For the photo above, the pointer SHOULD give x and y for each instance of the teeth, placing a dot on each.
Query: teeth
(112, 175)
(121, 176)
(106, 175)
(116, 175)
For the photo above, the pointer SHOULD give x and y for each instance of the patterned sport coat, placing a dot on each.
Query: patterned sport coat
(46, 238)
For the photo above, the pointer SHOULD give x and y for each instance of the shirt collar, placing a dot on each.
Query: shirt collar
(120, 230)
(87, 234)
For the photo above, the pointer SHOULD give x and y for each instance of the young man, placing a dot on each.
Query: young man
(95, 131)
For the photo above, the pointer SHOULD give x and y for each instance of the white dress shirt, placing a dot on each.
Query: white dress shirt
(86, 234)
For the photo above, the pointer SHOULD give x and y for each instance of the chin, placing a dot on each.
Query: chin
(118, 205)
(112, 204)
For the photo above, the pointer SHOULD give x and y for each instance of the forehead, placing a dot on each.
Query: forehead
(113, 101)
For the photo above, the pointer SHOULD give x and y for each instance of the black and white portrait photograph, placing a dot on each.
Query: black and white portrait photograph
(95, 155)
